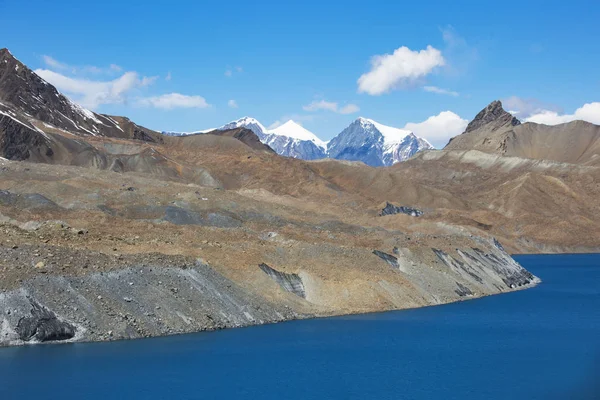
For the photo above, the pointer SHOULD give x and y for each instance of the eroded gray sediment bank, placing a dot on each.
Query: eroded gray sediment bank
(154, 300)
(130, 303)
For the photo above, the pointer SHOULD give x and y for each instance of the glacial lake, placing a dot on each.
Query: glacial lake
(541, 343)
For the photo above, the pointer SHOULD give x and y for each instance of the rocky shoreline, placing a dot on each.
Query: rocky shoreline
(133, 302)
(147, 299)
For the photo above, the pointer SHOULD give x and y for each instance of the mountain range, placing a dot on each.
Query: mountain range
(363, 140)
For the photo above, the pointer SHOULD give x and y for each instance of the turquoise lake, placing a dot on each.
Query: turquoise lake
(541, 343)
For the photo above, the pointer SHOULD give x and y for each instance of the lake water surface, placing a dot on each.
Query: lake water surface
(541, 343)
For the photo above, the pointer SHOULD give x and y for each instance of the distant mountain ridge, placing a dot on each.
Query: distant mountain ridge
(38, 123)
(363, 140)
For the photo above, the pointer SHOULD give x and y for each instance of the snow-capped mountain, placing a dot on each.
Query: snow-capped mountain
(289, 139)
(292, 140)
(375, 144)
(248, 123)
(364, 140)
(168, 133)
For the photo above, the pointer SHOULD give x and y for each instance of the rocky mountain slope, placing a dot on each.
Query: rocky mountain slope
(39, 124)
(33, 98)
(105, 237)
(144, 257)
(496, 131)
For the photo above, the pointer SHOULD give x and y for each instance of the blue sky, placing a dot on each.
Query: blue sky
(179, 65)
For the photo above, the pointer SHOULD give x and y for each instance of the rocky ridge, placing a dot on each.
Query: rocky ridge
(493, 114)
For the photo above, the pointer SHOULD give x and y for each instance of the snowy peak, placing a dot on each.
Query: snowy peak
(390, 134)
(296, 131)
(169, 133)
(249, 123)
(375, 144)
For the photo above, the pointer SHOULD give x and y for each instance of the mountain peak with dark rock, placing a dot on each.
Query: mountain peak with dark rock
(32, 100)
(492, 114)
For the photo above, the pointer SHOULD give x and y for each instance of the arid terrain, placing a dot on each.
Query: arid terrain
(110, 230)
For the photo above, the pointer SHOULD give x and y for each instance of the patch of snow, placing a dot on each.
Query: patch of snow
(8, 114)
(246, 122)
(390, 134)
(295, 131)
(88, 131)
(187, 133)
(84, 112)
(117, 125)
(41, 132)
(70, 120)
(426, 142)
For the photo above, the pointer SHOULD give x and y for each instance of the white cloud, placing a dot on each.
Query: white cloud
(54, 64)
(276, 124)
(168, 77)
(458, 54)
(230, 71)
(438, 129)
(435, 89)
(589, 112)
(349, 109)
(526, 107)
(173, 100)
(232, 104)
(533, 110)
(148, 80)
(297, 118)
(90, 93)
(321, 105)
(318, 105)
(403, 67)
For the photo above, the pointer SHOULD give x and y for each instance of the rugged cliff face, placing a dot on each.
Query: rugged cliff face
(494, 117)
(34, 98)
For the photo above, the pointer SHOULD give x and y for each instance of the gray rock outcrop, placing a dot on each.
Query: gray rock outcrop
(289, 282)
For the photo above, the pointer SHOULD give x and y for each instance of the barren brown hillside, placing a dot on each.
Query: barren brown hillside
(123, 233)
